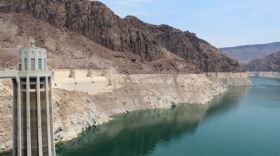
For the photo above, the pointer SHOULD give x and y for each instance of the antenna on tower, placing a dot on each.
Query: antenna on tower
(33, 43)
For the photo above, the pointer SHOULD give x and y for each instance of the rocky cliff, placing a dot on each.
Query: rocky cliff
(166, 47)
(269, 63)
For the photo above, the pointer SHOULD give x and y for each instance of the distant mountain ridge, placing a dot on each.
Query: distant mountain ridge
(245, 54)
(269, 63)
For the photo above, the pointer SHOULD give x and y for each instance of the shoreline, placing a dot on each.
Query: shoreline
(262, 74)
(127, 93)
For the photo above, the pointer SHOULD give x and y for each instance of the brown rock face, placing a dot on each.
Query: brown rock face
(67, 49)
(269, 63)
(98, 23)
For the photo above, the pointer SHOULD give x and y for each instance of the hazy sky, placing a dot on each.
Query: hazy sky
(221, 22)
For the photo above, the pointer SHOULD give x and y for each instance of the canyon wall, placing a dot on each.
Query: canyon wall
(269, 63)
(155, 47)
(76, 110)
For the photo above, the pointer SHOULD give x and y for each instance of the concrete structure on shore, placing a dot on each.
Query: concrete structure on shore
(32, 106)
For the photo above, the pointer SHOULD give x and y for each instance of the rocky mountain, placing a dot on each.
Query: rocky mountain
(247, 53)
(128, 44)
(269, 63)
(8, 58)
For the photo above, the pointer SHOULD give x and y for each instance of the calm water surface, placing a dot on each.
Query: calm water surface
(243, 122)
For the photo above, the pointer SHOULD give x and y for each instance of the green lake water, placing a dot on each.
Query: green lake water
(243, 122)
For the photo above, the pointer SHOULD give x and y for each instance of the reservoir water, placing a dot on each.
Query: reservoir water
(243, 122)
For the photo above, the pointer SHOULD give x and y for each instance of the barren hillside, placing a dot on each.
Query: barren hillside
(73, 32)
(247, 53)
(68, 49)
(268, 63)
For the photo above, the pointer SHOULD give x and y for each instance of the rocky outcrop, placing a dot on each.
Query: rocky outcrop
(67, 49)
(75, 111)
(130, 35)
(269, 63)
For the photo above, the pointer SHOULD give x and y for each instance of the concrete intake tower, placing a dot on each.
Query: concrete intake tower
(33, 111)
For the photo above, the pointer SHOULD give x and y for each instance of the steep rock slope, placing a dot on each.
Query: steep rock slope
(151, 42)
(269, 63)
(247, 53)
(8, 58)
(67, 49)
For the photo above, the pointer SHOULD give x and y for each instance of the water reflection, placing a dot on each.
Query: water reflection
(226, 102)
(139, 133)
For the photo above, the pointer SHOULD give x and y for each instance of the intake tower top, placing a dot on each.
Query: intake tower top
(32, 58)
